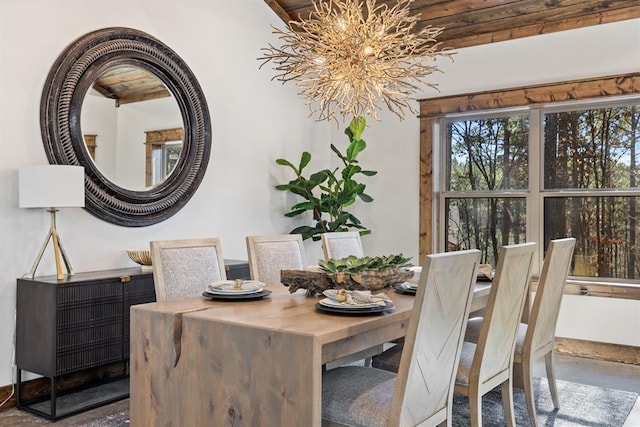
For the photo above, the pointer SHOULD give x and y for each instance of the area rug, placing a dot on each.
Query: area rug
(581, 405)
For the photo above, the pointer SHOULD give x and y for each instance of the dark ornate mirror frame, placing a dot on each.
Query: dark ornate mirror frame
(69, 80)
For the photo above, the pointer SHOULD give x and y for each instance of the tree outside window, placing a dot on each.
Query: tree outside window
(592, 154)
(589, 190)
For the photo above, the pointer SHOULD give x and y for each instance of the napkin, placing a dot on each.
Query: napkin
(356, 297)
(416, 274)
(233, 285)
(484, 272)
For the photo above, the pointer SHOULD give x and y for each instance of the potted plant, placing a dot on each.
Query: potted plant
(327, 193)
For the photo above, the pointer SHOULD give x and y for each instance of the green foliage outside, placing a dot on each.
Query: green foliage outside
(590, 160)
(327, 193)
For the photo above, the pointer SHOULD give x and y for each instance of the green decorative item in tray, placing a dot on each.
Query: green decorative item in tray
(351, 273)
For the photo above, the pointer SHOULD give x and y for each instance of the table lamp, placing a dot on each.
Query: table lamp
(51, 187)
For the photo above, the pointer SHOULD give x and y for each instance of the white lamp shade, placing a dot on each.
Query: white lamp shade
(51, 186)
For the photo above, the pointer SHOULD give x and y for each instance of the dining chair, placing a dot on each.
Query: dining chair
(422, 390)
(183, 268)
(270, 254)
(536, 338)
(338, 245)
(488, 362)
(341, 244)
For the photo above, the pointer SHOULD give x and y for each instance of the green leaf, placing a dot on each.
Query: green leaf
(301, 230)
(284, 162)
(365, 197)
(304, 160)
(355, 148)
(283, 187)
(349, 171)
(338, 153)
(295, 213)
(319, 177)
(304, 206)
(355, 221)
(368, 173)
(357, 126)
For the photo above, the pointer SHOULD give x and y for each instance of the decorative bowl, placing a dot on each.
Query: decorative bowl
(142, 257)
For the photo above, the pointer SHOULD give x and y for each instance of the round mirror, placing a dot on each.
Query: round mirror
(146, 153)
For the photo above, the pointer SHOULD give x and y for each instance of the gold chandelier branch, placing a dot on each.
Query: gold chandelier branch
(348, 56)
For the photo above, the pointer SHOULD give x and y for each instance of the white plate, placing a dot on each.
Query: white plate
(328, 302)
(409, 285)
(228, 287)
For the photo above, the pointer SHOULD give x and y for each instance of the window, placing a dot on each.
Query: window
(486, 159)
(163, 149)
(543, 173)
(165, 157)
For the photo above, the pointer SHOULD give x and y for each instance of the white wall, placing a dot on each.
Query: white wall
(254, 121)
(133, 121)
(100, 117)
(393, 148)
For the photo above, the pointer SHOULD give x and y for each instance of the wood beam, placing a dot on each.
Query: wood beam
(282, 14)
(426, 182)
(622, 84)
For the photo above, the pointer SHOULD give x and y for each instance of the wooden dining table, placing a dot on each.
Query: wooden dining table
(200, 362)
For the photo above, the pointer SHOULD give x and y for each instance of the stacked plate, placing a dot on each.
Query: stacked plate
(235, 290)
(406, 288)
(333, 306)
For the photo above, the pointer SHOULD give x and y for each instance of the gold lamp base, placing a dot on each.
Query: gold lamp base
(58, 250)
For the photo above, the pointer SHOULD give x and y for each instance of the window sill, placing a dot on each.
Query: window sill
(598, 289)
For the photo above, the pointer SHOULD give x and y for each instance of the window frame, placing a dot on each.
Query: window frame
(585, 92)
(535, 194)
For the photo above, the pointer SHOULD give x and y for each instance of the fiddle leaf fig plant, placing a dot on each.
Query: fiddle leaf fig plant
(327, 193)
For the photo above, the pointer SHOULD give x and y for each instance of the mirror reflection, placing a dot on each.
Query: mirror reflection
(132, 127)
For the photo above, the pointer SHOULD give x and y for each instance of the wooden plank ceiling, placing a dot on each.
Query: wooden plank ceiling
(475, 22)
(126, 84)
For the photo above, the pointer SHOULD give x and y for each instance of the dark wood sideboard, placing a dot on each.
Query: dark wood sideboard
(81, 323)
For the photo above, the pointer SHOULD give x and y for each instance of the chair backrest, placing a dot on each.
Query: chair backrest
(341, 244)
(183, 268)
(270, 254)
(431, 354)
(497, 337)
(543, 318)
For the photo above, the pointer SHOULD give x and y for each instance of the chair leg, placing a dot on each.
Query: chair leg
(551, 379)
(448, 422)
(507, 403)
(527, 382)
(475, 407)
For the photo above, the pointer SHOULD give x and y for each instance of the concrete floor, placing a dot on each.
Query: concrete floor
(586, 371)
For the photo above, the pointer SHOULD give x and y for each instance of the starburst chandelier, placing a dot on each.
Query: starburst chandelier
(350, 57)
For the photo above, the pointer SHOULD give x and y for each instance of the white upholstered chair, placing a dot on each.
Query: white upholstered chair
(184, 268)
(422, 391)
(270, 254)
(341, 244)
(536, 338)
